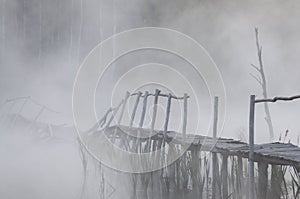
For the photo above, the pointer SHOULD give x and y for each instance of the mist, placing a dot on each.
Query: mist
(44, 42)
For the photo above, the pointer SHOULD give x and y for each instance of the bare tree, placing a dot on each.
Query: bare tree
(261, 79)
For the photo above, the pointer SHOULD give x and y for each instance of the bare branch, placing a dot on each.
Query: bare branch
(278, 99)
(263, 82)
(257, 78)
(255, 67)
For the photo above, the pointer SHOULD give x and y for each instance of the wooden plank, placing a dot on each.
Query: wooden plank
(262, 180)
(223, 146)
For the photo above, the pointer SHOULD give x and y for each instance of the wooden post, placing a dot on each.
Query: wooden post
(123, 138)
(138, 143)
(153, 118)
(275, 185)
(167, 119)
(144, 109)
(214, 155)
(262, 180)
(240, 178)
(123, 107)
(135, 108)
(251, 147)
(184, 123)
(225, 176)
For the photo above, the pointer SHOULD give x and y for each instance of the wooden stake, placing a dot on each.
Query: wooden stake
(225, 176)
(262, 180)
(251, 147)
(167, 119)
(138, 143)
(153, 118)
(123, 107)
(184, 115)
(144, 109)
(214, 155)
(135, 108)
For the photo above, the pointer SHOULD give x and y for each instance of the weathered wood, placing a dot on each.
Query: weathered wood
(224, 174)
(124, 140)
(144, 109)
(262, 180)
(183, 182)
(138, 144)
(251, 147)
(135, 108)
(153, 118)
(123, 107)
(167, 119)
(195, 172)
(162, 95)
(240, 178)
(185, 107)
(275, 186)
(214, 155)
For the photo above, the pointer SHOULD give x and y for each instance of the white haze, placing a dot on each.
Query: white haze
(43, 43)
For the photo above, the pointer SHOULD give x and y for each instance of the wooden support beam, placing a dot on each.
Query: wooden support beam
(251, 147)
(168, 109)
(224, 174)
(144, 109)
(138, 144)
(135, 108)
(262, 180)
(194, 171)
(153, 118)
(214, 155)
(123, 107)
(124, 140)
(275, 186)
(185, 107)
(240, 178)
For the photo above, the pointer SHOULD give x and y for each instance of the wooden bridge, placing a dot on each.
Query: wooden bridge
(210, 167)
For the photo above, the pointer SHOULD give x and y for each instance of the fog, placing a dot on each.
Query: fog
(43, 43)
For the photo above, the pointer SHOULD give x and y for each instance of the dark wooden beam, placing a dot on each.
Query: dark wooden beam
(262, 180)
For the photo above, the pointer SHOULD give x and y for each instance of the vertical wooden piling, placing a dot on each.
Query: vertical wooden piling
(138, 144)
(123, 138)
(185, 107)
(251, 147)
(225, 176)
(144, 109)
(240, 178)
(153, 118)
(167, 119)
(123, 107)
(195, 166)
(135, 108)
(183, 158)
(275, 186)
(262, 180)
(214, 155)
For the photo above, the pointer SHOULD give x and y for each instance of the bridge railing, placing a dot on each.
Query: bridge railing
(141, 101)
